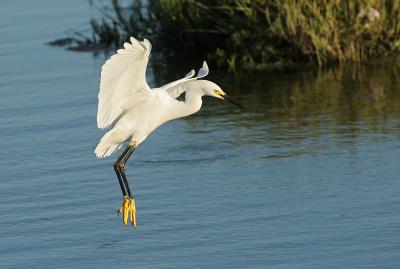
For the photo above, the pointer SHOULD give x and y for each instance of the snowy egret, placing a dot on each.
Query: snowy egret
(133, 110)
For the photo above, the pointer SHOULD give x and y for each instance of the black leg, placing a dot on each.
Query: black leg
(127, 208)
(121, 183)
(128, 152)
(118, 172)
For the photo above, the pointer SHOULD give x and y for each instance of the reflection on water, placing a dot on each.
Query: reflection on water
(305, 177)
(349, 97)
(284, 109)
(366, 94)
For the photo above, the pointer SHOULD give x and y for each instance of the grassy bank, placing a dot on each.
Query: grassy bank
(254, 35)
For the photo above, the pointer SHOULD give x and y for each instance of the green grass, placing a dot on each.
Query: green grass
(254, 34)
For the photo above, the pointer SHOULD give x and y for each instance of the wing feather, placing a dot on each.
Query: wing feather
(123, 75)
(175, 88)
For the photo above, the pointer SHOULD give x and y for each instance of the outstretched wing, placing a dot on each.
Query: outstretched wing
(123, 76)
(175, 88)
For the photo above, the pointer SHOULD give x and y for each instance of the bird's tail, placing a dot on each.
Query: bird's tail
(107, 146)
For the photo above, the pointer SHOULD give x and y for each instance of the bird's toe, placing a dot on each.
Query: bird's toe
(128, 210)
(132, 212)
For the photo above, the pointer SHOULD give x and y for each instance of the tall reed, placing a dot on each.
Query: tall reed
(256, 34)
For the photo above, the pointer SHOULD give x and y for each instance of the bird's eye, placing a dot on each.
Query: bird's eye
(218, 92)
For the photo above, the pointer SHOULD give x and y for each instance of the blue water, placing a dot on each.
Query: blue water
(305, 177)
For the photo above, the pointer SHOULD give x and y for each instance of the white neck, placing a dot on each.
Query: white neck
(193, 100)
(192, 103)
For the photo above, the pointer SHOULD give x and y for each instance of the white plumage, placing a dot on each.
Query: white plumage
(123, 73)
(132, 109)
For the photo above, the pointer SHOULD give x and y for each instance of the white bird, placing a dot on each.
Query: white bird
(133, 110)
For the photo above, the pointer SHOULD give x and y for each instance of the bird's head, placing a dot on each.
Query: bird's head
(212, 89)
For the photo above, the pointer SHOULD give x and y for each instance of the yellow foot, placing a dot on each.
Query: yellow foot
(128, 210)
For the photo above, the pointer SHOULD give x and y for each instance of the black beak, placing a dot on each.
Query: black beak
(231, 100)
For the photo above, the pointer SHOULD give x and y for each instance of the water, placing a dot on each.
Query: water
(306, 177)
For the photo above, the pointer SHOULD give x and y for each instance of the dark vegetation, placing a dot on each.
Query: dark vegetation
(250, 34)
